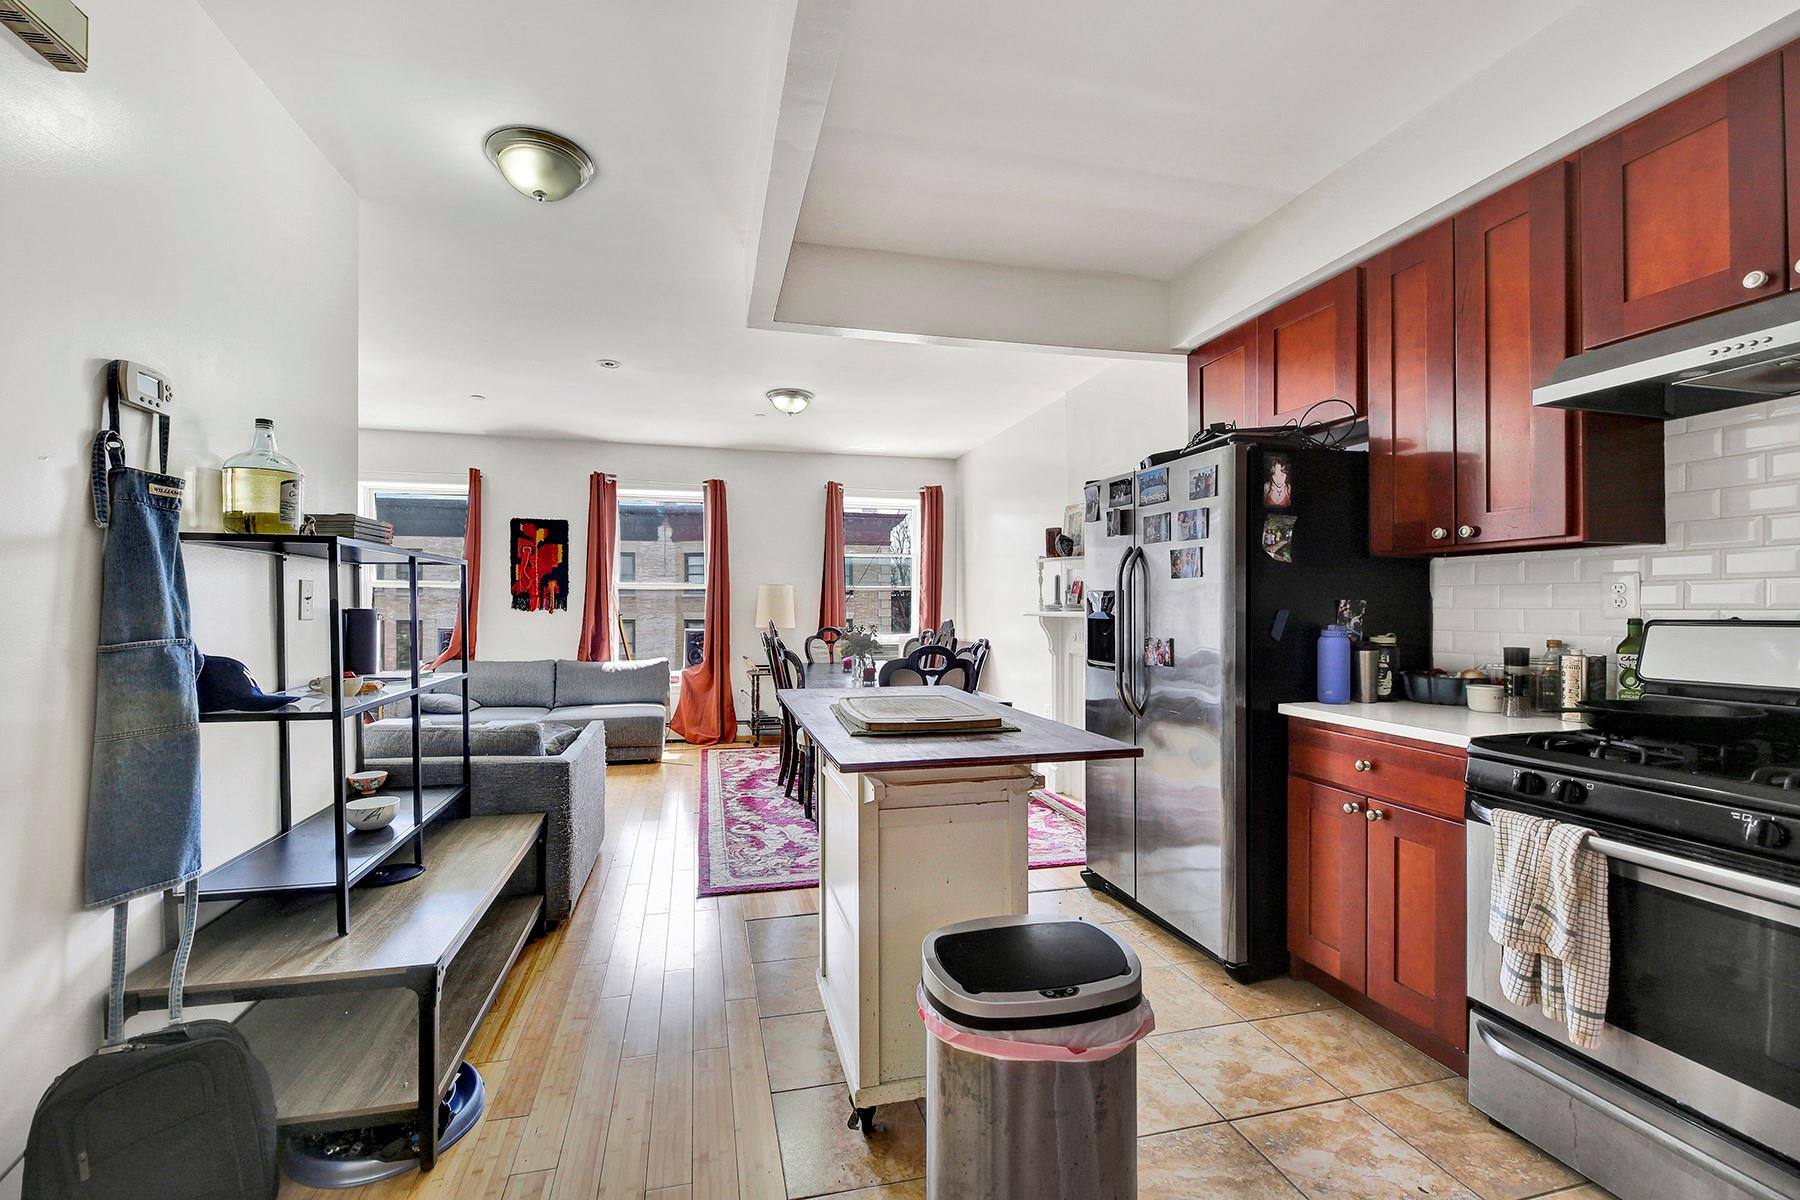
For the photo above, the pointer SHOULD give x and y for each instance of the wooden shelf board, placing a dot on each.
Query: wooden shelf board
(351, 551)
(274, 946)
(318, 707)
(304, 859)
(347, 1058)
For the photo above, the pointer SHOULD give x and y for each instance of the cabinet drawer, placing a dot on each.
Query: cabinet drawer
(1423, 778)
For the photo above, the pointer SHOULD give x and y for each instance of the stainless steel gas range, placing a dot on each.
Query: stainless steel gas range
(1693, 1091)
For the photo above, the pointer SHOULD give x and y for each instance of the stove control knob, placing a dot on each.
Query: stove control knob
(1761, 831)
(1569, 791)
(1528, 783)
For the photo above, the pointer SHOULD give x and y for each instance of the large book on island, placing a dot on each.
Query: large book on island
(910, 712)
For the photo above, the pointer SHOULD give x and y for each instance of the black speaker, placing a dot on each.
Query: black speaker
(362, 641)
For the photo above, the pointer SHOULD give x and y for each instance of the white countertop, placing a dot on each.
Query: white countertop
(1443, 724)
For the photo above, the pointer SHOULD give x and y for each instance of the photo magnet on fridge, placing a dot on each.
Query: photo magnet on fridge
(1186, 563)
(1192, 524)
(1278, 481)
(1118, 493)
(1156, 529)
(1090, 499)
(1159, 652)
(1118, 521)
(1278, 538)
(1153, 486)
(1203, 483)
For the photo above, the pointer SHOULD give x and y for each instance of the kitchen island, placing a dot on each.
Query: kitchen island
(915, 832)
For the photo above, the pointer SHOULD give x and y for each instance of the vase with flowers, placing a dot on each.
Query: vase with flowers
(860, 645)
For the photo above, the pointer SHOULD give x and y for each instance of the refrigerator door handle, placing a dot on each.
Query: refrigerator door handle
(1121, 631)
(1140, 696)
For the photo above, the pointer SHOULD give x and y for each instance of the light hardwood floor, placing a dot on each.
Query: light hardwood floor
(659, 1045)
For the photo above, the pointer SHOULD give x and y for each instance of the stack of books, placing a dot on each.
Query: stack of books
(350, 525)
(878, 716)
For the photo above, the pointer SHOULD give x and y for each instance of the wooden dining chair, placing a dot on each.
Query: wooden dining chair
(826, 637)
(802, 761)
(977, 656)
(897, 672)
(773, 652)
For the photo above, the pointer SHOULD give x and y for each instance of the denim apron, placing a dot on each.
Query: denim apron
(143, 826)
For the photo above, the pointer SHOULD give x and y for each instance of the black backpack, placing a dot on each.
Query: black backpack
(186, 1113)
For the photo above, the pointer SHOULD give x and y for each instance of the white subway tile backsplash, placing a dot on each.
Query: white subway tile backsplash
(1733, 549)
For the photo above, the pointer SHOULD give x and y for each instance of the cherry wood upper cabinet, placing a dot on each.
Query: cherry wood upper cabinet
(1683, 213)
(1326, 878)
(1310, 349)
(1527, 476)
(1222, 380)
(1409, 293)
(1790, 90)
(1415, 963)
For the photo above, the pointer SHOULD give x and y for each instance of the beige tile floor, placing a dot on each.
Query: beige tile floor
(661, 1045)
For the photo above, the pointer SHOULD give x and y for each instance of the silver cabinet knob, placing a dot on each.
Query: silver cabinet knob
(1439, 533)
(1374, 814)
(1756, 279)
(1363, 764)
(1467, 531)
(1352, 807)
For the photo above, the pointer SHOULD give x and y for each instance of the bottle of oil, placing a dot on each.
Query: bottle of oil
(263, 487)
(1631, 687)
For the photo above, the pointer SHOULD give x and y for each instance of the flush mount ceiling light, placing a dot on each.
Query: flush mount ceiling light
(538, 163)
(792, 401)
(609, 364)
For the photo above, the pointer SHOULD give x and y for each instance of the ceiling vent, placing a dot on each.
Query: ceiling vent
(56, 29)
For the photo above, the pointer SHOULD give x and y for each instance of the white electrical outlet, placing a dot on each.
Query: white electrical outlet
(306, 599)
(1620, 597)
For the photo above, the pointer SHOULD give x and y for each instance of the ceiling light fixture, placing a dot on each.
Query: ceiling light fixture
(610, 364)
(792, 401)
(540, 164)
(476, 396)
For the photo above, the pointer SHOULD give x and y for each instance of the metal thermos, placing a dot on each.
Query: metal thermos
(1365, 675)
(1388, 646)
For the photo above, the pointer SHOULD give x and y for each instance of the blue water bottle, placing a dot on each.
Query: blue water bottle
(1334, 665)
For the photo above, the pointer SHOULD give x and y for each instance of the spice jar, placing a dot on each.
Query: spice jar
(1517, 701)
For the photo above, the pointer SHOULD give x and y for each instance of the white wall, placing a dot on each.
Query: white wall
(776, 503)
(1016, 485)
(163, 208)
(1606, 63)
(1733, 550)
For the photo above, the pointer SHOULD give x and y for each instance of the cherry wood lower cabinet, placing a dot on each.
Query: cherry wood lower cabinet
(1375, 885)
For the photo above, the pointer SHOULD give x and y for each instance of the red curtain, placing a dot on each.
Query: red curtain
(831, 582)
(472, 554)
(931, 556)
(704, 715)
(602, 550)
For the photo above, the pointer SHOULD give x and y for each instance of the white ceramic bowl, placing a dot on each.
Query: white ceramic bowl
(1485, 697)
(367, 813)
(366, 783)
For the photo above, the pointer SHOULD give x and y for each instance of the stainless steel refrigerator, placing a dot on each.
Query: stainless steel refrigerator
(1210, 574)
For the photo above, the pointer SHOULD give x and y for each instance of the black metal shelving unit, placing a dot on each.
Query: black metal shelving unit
(320, 853)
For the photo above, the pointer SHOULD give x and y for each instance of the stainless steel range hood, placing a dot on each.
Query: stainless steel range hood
(1735, 358)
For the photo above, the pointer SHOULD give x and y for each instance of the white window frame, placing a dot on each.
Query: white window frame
(663, 494)
(910, 505)
(366, 491)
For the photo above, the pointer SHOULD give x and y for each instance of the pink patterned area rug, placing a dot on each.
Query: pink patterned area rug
(754, 839)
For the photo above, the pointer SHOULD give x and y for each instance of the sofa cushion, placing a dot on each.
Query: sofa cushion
(626, 724)
(645, 682)
(487, 714)
(513, 683)
(440, 703)
(393, 739)
(558, 738)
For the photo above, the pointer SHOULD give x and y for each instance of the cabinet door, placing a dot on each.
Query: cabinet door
(1309, 349)
(1514, 471)
(1222, 380)
(1326, 864)
(1790, 91)
(1411, 370)
(1683, 213)
(1415, 920)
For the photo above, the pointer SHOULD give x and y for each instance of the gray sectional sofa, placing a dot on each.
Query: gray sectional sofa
(630, 698)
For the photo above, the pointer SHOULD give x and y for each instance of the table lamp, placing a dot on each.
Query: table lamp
(775, 605)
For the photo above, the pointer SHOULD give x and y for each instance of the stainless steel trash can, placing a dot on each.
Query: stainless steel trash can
(1031, 1060)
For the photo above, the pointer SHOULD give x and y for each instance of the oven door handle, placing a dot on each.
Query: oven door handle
(1772, 890)
(1501, 1045)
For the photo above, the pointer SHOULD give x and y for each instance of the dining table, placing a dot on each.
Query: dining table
(916, 832)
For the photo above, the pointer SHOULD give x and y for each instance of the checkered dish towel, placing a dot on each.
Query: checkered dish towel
(1549, 914)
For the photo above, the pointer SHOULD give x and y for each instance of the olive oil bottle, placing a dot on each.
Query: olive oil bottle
(263, 487)
(1631, 687)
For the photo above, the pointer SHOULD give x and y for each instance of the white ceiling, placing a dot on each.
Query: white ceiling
(1125, 137)
(467, 287)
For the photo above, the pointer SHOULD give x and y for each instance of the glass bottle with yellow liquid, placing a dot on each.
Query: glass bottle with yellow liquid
(263, 487)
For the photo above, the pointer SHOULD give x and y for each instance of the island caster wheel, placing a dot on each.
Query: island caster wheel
(865, 1117)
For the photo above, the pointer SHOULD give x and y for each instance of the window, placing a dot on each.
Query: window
(662, 575)
(880, 563)
(426, 517)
